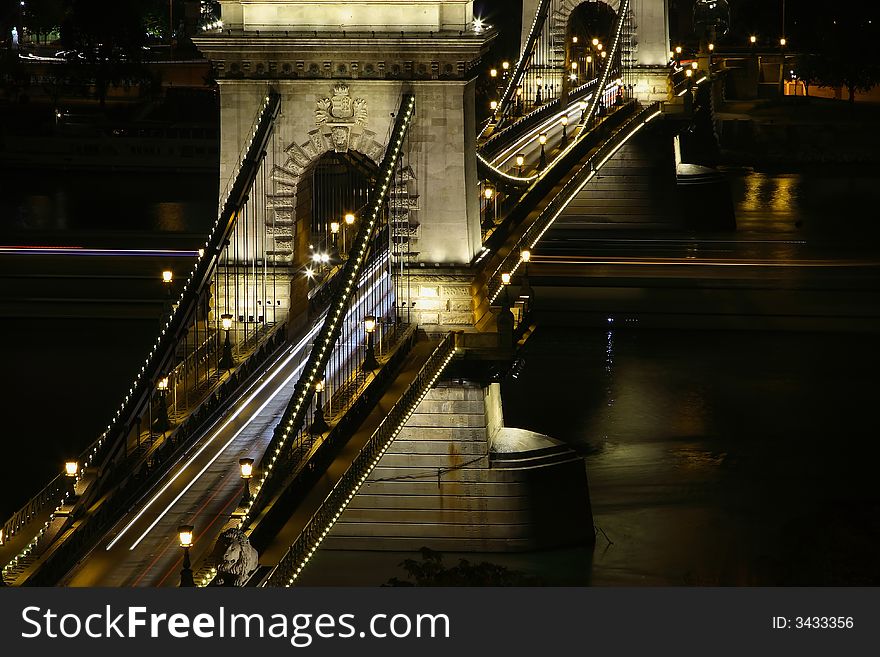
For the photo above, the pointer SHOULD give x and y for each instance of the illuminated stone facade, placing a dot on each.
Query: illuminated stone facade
(650, 19)
(341, 84)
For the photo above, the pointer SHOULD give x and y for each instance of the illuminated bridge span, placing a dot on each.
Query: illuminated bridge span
(353, 265)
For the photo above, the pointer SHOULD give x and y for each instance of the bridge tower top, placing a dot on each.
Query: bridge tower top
(350, 15)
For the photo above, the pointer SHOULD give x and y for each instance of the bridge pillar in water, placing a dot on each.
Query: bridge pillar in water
(341, 68)
(457, 480)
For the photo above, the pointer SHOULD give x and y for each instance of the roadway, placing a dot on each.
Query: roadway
(203, 489)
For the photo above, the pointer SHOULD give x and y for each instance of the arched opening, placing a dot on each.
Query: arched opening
(336, 185)
(588, 31)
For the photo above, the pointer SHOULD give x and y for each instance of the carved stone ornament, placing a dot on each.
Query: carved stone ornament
(338, 116)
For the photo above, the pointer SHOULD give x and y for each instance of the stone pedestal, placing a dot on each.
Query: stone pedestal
(457, 480)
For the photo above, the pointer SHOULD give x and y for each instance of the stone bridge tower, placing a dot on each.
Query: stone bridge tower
(341, 67)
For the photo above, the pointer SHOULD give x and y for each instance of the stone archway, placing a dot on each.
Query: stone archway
(287, 178)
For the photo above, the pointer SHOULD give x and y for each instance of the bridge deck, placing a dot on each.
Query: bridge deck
(307, 508)
(205, 489)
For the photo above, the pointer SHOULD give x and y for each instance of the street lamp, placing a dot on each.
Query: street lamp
(505, 283)
(564, 122)
(370, 363)
(334, 235)
(782, 43)
(489, 195)
(246, 469)
(71, 469)
(226, 362)
(185, 534)
(526, 290)
(319, 424)
(349, 222)
(167, 280)
(162, 424)
(494, 72)
(542, 138)
(520, 161)
(583, 106)
(540, 83)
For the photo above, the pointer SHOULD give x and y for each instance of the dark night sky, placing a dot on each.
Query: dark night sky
(805, 25)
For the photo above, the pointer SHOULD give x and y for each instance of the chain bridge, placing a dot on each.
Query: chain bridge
(326, 373)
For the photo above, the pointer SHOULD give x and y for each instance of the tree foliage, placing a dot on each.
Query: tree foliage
(430, 571)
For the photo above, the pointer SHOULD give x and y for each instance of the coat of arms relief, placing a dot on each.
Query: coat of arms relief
(339, 116)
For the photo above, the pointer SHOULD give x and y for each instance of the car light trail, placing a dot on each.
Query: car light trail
(82, 251)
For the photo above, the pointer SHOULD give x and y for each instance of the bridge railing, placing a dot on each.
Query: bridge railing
(295, 413)
(535, 231)
(318, 526)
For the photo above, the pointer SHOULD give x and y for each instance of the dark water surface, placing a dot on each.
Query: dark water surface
(76, 202)
(716, 458)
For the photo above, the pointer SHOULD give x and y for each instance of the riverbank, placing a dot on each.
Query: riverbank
(797, 132)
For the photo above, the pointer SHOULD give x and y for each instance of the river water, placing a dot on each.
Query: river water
(714, 457)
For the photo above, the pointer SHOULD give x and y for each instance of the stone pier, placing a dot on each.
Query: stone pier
(456, 479)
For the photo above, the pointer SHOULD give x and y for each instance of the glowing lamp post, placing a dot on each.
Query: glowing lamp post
(493, 72)
(319, 424)
(542, 139)
(489, 195)
(526, 291)
(226, 362)
(505, 283)
(349, 222)
(167, 280)
(71, 469)
(246, 469)
(520, 161)
(334, 233)
(564, 122)
(540, 83)
(370, 363)
(185, 534)
(162, 423)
